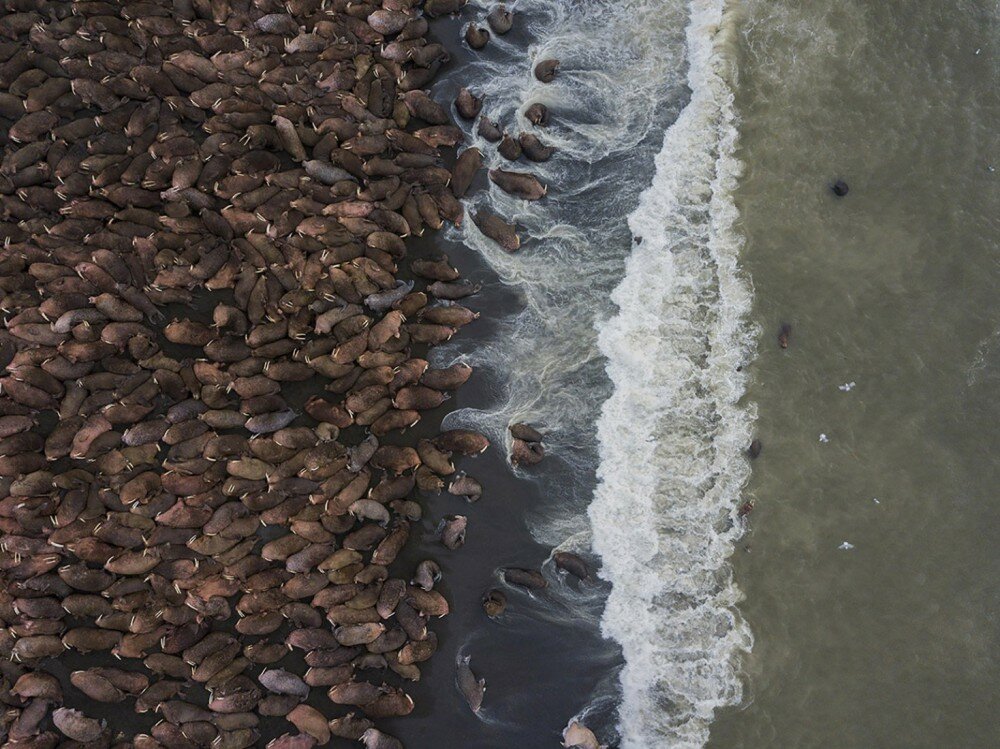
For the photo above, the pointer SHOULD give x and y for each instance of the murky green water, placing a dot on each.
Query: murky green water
(895, 288)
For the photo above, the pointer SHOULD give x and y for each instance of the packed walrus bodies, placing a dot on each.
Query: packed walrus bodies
(203, 204)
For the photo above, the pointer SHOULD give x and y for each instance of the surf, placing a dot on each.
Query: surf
(673, 433)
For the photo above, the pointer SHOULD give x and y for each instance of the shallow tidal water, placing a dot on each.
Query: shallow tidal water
(892, 293)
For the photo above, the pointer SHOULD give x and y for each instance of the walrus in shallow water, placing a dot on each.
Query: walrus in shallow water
(530, 579)
(519, 184)
(476, 36)
(571, 563)
(526, 453)
(755, 447)
(451, 531)
(467, 104)
(537, 114)
(546, 70)
(578, 736)
(497, 229)
(494, 603)
(489, 130)
(509, 148)
(464, 171)
(471, 688)
(500, 19)
(534, 149)
(840, 188)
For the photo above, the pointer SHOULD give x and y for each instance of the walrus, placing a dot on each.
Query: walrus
(537, 114)
(578, 736)
(466, 166)
(546, 70)
(466, 486)
(467, 104)
(571, 563)
(509, 148)
(428, 573)
(519, 184)
(525, 432)
(784, 333)
(840, 188)
(76, 726)
(373, 738)
(530, 579)
(451, 531)
(476, 36)
(500, 19)
(497, 229)
(755, 448)
(471, 688)
(527, 453)
(494, 603)
(534, 149)
(489, 130)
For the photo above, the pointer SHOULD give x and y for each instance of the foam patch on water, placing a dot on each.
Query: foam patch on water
(673, 433)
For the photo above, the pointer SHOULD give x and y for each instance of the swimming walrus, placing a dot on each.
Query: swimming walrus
(471, 688)
(571, 563)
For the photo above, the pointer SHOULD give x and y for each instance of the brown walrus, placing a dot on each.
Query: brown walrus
(497, 229)
(545, 71)
(519, 184)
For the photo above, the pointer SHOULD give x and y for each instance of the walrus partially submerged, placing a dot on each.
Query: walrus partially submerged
(519, 184)
(500, 19)
(476, 36)
(497, 229)
(471, 688)
(578, 736)
(546, 70)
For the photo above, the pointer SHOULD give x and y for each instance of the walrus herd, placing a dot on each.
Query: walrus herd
(213, 338)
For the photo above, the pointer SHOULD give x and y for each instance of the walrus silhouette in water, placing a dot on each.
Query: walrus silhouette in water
(471, 688)
(784, 334)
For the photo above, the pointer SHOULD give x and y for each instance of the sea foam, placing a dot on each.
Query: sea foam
(673, 432)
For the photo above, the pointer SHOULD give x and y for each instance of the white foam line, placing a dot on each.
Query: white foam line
(673, 433)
